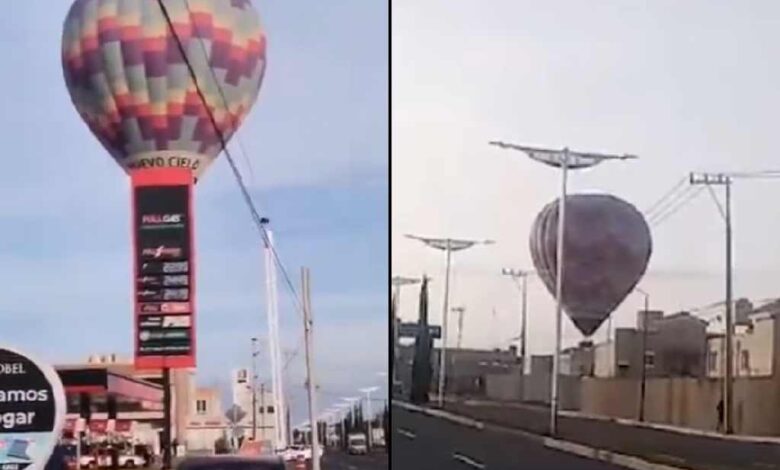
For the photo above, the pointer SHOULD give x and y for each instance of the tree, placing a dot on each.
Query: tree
(422, 370)
(235, 414)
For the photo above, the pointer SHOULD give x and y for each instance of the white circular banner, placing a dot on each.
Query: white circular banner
(32, 411)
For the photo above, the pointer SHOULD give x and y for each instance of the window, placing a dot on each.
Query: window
(269, 410)
(200, 407)
(745, 356)
(649, 358)
(713, 361)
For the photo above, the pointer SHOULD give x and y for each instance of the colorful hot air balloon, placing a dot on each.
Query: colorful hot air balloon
(607, 246)
(129, 82)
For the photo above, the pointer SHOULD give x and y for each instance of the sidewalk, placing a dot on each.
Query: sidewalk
(699, 452)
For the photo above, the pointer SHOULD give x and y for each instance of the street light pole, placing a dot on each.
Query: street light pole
(565, 160)
(644, 354)
(516, 274)
(448, 245)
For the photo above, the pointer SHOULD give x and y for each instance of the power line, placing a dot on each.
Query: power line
(259, 221)
(682, 202)
(663, 198)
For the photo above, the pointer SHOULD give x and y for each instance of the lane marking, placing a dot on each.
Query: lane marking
(351, 467)
(468, 461)
(406, 433)
(672, 458)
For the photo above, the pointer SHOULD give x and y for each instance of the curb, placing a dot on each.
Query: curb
(602, 455)
(457, 419)
(634, 423)
(623, 460)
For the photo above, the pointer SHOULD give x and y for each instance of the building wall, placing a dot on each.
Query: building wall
(206, 422)
(241, 389)
(755, 349)
(604, 360)
(687, 402)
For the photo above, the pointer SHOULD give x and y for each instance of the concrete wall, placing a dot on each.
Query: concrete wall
(686, 402)
(504, 387)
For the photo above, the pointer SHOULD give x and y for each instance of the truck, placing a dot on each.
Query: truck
(378, 437)
(356, 443)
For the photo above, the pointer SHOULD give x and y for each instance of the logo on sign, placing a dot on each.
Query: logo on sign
(162, 251)
(162, 219)
(177, 322)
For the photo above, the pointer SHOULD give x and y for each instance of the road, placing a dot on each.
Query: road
(336, 460)
(421, 442)
(690, 451)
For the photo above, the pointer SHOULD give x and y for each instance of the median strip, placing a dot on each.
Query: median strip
(468, 461)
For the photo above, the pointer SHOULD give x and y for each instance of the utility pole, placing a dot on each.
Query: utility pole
(566, 160)
(710, 179)
(167, 462)
(310, 383)
(254, 389)
(262, 410)
(448, 245)
(516, 274)
(644, 355)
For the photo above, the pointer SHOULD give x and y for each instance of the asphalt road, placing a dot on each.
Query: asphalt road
(336, 460)
(690, 451)
(421, 442)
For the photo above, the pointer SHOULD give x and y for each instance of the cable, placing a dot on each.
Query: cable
(669, 193)
(222, 95)
(223, 142)
(691, 195)
(670, 202)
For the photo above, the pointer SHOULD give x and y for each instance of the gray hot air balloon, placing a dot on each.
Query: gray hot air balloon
(607, 246)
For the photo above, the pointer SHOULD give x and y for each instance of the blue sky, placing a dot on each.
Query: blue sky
(317, 165)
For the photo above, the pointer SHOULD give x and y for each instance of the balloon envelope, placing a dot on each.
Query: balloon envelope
(607, 246)
(128, 79)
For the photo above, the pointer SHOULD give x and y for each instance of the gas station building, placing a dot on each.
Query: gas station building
(112, 398)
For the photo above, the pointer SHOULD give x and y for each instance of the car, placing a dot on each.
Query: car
(295, 451)
(131, 461)
(232, 462)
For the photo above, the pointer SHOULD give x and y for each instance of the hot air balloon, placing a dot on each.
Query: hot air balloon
(128, 79)
(607, 246)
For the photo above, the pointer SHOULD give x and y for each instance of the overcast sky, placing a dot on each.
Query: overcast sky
(687, 86)
(317, 150)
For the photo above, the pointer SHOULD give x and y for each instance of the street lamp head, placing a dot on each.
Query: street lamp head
(369, 389)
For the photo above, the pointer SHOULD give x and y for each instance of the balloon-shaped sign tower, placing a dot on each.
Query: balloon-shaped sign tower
(163, 85)
(607, 246)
